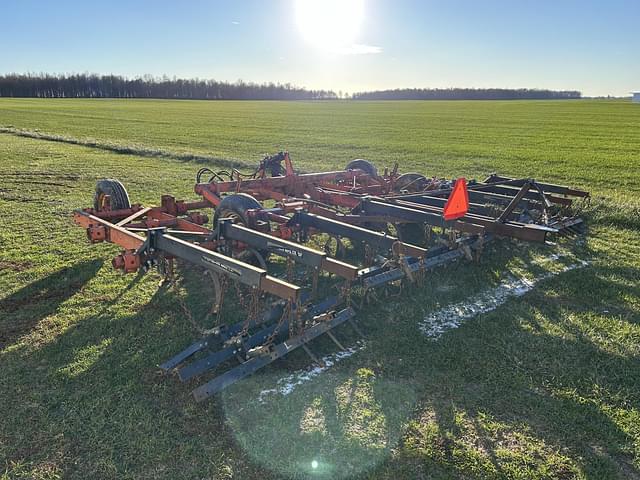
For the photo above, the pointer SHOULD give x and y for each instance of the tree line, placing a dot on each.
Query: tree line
(466, 94)
(114, 86)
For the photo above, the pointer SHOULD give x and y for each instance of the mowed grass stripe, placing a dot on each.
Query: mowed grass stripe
(122, 149)
(587, 143)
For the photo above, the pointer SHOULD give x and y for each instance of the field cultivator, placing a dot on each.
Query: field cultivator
(356, 229)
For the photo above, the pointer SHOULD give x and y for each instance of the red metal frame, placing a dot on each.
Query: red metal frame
(333, 194)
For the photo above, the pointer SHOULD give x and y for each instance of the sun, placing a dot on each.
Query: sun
(329, 25)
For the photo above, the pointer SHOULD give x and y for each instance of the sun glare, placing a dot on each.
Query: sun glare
(329, 25)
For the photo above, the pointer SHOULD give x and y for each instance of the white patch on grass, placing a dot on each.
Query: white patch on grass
(433, 325)
(288, 384)
(448, 318)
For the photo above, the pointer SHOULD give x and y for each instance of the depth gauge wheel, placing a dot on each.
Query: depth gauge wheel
(361, 248)
(412, 233)
(410, 182)
(235, 207)
(119, 198)
(365, 165)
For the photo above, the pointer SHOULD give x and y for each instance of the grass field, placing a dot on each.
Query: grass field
(545, 386)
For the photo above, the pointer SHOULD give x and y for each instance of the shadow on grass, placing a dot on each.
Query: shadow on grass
(611, 214)
(523, 392)
(531, 391)
(21, 311)
(91, 394)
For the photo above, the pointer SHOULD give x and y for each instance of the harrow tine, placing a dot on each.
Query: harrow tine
(182, 356)
(354, 325)
(216, 358)
(256, 363)
(312, 355)
(335, 340)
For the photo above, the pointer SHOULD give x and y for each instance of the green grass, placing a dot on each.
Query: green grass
(545, 386)
(444, 138)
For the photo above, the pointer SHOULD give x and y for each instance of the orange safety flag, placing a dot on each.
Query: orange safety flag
(458, 204)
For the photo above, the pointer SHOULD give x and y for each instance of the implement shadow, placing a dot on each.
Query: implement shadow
(97, 384)
(532, 389)
(94, 392)
(22, 310)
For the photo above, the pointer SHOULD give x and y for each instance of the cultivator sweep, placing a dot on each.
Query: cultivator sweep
(354, 228)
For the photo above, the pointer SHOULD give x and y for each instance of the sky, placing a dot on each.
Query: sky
(343, 45)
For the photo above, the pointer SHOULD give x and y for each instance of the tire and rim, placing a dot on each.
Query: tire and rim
(412, 233)
(235, 207)
(369, 168)
(365, 165)
(411, 182)
(118, 195)
(359, 247)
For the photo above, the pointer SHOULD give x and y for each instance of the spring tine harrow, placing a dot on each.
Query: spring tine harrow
(436, 221)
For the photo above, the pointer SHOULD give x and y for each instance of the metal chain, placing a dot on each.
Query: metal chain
(296, 327)
(300, 319)
(253, 310)
(345, 292)
(165, 268)
(240, 295)
(369, 254)
(183, 305)
(428, 232)
(290, 269)
(421, 273)
(286, 312)
(401, 256)
(224, 282)
(452, 238)
(292, 326)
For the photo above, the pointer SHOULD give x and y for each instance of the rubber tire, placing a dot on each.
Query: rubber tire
(365, 165)
(375, 226)
(407, 178)
(412, 233)
(115, 190)
(236, 204)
